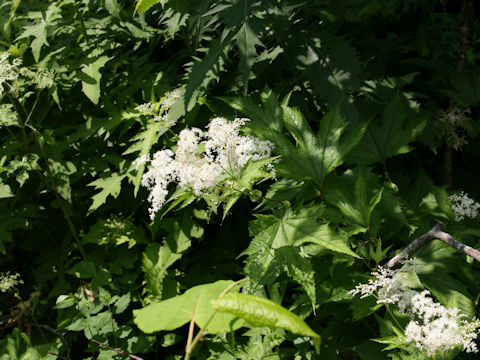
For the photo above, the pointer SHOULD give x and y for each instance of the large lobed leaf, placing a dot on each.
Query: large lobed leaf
(277, 247)
(390, 135)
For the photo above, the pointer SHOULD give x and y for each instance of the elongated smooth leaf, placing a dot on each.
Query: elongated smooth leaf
(175, 312)
(258, 311)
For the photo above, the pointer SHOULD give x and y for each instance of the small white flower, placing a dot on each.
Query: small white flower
(463, 206)
(145, 108)
(8, 281)
(8, 71)
(457, 127)
(170, 99)
(140, 161)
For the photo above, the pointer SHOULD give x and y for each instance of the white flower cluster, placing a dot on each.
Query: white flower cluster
(200, 159)
(42, 78)
(146, 108)
(463, 206)
(432, 327)
(437, 328)
(8, 281)
(11, 71)
(8, 71)
(162, 114)
(457, 126)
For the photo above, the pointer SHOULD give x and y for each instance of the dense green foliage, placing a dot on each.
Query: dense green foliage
(371, 107)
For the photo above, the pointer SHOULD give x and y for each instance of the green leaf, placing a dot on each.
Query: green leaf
(144, 5)
(207, 69)
(143, 143)
(391, 134)
(175, 312)
(363, 307)
(122, 303)
(247, 39)
(302, 227)
(64, 301)
(84, 269)
(114, 231)
(465, 89)
(91, 76)
(250, 173)
(61, 171)
(299, 269)
(276, 240)
(269, 117)
(349, 193)
(259, 312)
(100, 324)
(332, 67)
(315, 155)
(439, 272)
(17, 346)
(156, 260)
(110, 186)
(39, 30)
(5, 237)
(5, 191)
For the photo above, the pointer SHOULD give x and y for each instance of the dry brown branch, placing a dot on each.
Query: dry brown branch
(434, 233)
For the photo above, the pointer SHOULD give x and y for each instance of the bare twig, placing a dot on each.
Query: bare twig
(59, 356)
(120, 351)
(435, 233)
(60, 335)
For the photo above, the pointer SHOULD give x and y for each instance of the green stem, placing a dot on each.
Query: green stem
(11, 134)
(17, 106)
(394, 317)
(33, 108)
(191, 346)
(59, 199)
(82, 24)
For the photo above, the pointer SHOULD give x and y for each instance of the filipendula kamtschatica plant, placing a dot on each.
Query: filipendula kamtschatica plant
(211, 164)
(433, 328)
(9, 281)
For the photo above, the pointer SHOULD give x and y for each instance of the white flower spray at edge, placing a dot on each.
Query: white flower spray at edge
(200, 159)
(432, 327)
(10, 71)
